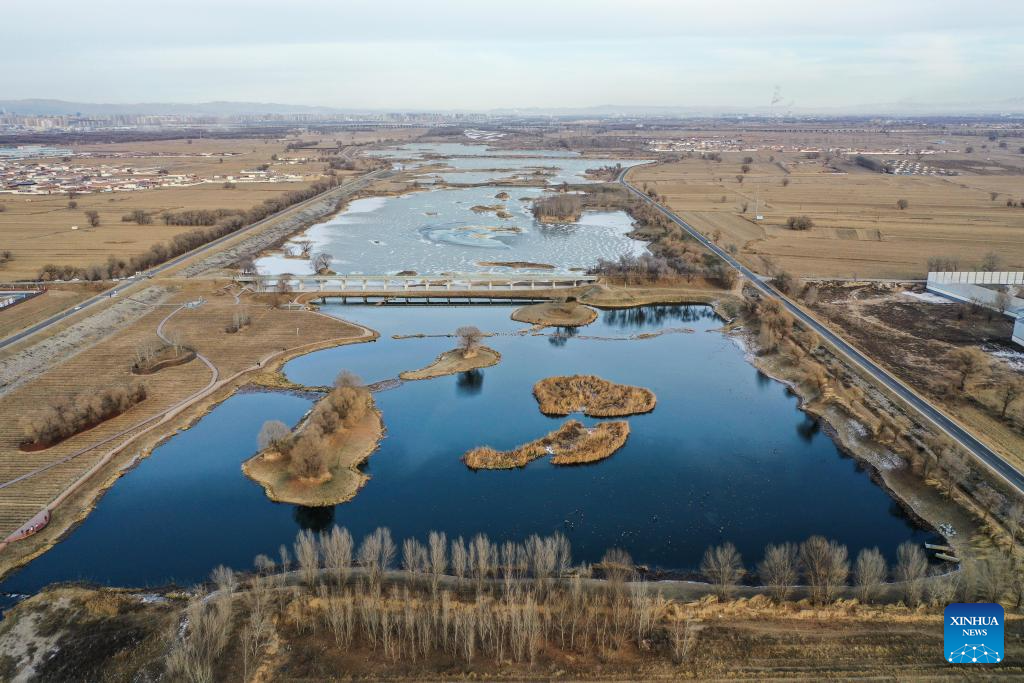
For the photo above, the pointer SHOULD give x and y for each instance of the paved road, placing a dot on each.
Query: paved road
(125, 284)
(986, 455)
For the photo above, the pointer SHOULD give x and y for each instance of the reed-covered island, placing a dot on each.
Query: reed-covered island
(571, 444)
(591, 395)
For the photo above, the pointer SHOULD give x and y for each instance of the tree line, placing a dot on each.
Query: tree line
(66, 416)
(214, 224)
(465, 601)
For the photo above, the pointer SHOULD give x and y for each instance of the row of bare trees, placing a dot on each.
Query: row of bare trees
(214, 223)
(69, 415)
(509, 602)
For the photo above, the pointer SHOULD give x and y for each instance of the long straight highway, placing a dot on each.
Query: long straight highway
(983, 453)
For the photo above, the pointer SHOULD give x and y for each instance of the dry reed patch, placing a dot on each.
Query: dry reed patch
(592, 396)
(556, 314)
(571, 444)
(453, 362)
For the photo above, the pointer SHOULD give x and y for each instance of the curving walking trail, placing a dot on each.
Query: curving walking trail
(155, 421)
(995, 462)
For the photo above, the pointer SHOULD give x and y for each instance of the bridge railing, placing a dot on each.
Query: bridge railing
(455, 281)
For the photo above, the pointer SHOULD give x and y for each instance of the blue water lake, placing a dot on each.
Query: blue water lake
(725, 456)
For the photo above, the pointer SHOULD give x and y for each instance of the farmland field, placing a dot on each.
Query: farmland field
(858, 229)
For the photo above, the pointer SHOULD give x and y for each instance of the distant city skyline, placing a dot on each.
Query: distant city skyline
(731, 54)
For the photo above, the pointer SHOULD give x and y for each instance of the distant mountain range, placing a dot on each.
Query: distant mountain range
(53, 107)
(43, 107)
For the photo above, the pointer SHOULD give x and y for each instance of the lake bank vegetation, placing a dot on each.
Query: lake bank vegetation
(591, 395)
(470, 355)
(489, 609)
(571, 444)
(71, 415)
(567, 313)
(318, 463)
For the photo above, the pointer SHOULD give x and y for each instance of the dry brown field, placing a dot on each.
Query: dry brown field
(38, 228)
(858, 229)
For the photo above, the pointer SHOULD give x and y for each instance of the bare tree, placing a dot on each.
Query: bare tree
(723, 568)
(307, 553)
(869, 574)
(437, 545)
(305, 248)
(617, 565)
(778, 569)
(469, 337)
(272, 433)
(1008, 392)
(902, 204)
(967, 362)
(320, 262)
(911, 569)
(1014, 523)
(825, 566)
(1003, 301)
(990, 262)
(93, 217)
(337, 551)
(347, 378)
(377, 552)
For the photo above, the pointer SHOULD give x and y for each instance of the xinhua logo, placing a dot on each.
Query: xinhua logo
(973, 633)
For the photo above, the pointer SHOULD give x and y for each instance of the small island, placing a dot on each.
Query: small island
(560, 208)
(469, 355)
(571, 444)
(592, 396)
(556, 314)
(317, 464)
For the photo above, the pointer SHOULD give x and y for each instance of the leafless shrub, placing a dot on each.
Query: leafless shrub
(67, 416)
(825, 567)
(469, 338)
(723, 568)
(911, 569)
(778, 570)
(307, 553)
(272, 433)
(869, 574)
(337, 551)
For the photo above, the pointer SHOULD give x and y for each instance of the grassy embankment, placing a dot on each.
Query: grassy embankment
(571, 444)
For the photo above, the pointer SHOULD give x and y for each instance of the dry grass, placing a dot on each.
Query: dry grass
(592, 396)
(108, 364)
(571, 444)
(453, 362)
(556, 314)
(54, 300)
(37, 228)
(859, 231)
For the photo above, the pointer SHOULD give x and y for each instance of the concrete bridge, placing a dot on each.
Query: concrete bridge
(439, 284)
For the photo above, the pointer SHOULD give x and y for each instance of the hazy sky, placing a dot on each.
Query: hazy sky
(452, 54)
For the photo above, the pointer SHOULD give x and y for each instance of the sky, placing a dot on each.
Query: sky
(480, 55)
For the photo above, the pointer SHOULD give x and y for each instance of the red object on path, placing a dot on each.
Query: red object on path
(30, 527)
